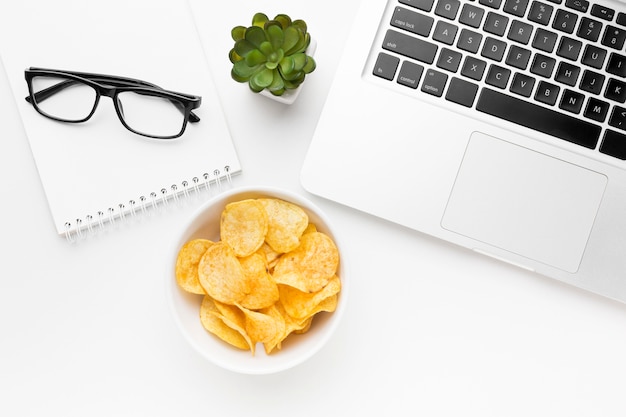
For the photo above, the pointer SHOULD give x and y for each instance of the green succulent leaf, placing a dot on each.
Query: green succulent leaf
(293, 76)
(276, 35)
(292, 37)
(255, 57)
(299, 60)
(233, 56)
(255, 35)
(300, 24)
(259, 19)
(301, 45)
(244, 71)
(238, 33)
(262, 79)
(295, 83)
(284, 20)
(277, 86)
(266, 48)
(243, 47)
(287, 65)
(310, 65)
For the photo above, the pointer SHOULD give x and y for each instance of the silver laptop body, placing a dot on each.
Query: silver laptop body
(440, 119)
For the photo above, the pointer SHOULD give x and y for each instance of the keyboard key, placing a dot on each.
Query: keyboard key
(567, 74)
(565, 21)
(544, 40)
(617, 64)
(569, 48)
(425, 5)
(596, 109)
(410, 46)
(540, 13)
(410, 74)
(602, 12)
(520, 32)
(461, 92)
(572, 101)
(447, 8)
(469, 41)
(491, 3)
(434, 82)
(516, 7)
(616, 90)
(449, 60)
(543, 65)
(522, 84)
(471, 15)
(498, 76)
(618, 118)
(496, 24)
(614, 144)
(589, 29)
(614, 37)
(621, 19)
(547, 93)
(386, 66)
(592, 82)
(578, 5)
(411, 21)
(518, 57)
(594, 56)
(494, 49)
(473, 68)
(445, 32)
(539, 118)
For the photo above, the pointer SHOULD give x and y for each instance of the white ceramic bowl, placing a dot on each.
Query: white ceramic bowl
(186, 307)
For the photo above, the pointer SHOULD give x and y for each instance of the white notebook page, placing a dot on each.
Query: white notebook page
(96, 166)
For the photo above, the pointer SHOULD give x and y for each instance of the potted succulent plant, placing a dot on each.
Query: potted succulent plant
(272, 56)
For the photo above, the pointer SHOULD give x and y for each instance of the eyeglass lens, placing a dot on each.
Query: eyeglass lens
(73, 101)
(151, 115)
(63, 98)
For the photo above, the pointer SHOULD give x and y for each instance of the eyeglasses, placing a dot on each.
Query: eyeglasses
(143, 108)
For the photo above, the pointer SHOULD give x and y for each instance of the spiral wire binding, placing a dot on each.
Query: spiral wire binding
(90, 225)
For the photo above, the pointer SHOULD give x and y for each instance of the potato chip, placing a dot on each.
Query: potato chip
(262, 327)
(263, 289)
(187, 265)
(301, 305)
(306, 325)
(273, 343)
(232, 313)
(271, 256)
(286, 222)
(243, 226)
(310, 228)
(221, 274)
(291, 325)
(311, 265)
(211, 321)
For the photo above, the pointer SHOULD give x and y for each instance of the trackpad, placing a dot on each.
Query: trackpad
(524, 202)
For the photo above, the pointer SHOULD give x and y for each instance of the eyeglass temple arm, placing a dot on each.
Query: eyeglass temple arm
(52, 90)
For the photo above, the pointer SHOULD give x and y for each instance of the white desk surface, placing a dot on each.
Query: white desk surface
(431, 330)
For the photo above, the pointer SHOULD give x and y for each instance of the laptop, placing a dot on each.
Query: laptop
(498, 125)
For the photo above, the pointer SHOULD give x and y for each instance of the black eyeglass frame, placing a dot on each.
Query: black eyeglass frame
(111, 86)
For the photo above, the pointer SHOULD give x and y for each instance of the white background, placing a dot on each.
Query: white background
(431, 329)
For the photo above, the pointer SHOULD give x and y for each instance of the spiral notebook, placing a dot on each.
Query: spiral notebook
(97, 172)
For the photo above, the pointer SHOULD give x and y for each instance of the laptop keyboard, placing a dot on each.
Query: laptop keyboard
(555, 66)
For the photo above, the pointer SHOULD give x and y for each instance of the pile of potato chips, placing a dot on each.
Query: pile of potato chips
(267, 276)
